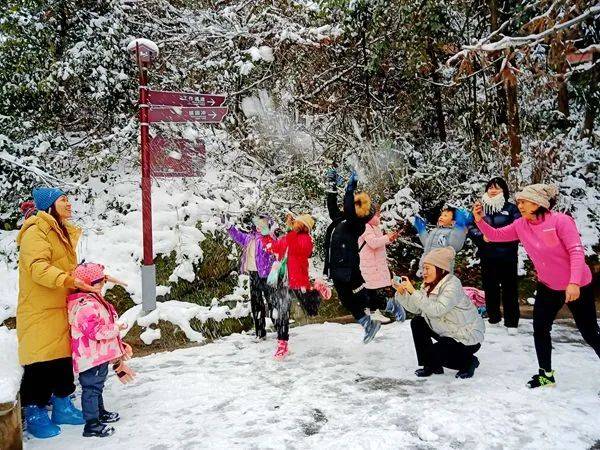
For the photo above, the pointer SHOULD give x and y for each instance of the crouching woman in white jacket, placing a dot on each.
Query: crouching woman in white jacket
(444, 314)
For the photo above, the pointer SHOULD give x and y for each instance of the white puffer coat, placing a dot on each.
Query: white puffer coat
(447, 311)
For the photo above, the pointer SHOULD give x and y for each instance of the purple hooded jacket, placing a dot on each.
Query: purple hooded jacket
(264, 260)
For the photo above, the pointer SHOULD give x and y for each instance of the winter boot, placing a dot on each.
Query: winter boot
(396, 309)
(38, 423)
(428, 371)
(469, 371)
(95, 428)
(282, 350)
(542, 379)
(376, 315)
(64, 412)
(371, 328)
(108, 417)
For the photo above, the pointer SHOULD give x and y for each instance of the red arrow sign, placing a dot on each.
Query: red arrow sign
(186, 114)
(184, 98)
(176, 157)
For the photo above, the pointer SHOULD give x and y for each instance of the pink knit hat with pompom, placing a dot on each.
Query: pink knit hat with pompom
(89, 273)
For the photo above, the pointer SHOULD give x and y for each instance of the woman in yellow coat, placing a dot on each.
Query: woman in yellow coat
(47, 255)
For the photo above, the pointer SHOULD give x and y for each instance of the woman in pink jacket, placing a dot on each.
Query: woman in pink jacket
(96, 342)
(554, 246)
(375, 270)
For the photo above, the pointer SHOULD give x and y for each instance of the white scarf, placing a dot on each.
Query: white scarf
(492, 205)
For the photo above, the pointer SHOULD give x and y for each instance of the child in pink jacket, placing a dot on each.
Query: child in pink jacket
(96, 342)
(375, 270)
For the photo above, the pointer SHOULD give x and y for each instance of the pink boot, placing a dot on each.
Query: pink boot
(282, 350)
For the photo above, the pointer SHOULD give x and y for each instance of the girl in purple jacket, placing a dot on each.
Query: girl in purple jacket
(256, 262)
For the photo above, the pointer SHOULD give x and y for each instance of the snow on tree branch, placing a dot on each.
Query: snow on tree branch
(518, 41)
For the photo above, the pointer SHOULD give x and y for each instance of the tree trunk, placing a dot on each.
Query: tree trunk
(514, 127)
(437, 92)
(366, 75)
(501, 94)
(592, 100)
(11, 433)
(563, 97)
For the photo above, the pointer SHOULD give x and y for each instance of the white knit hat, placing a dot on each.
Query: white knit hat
(540, 194)
(442, 257)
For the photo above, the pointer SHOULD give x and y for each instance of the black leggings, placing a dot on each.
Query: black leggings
(42, 379)
(547, 304)
(260, 293)
(281, 311)
(309, 300)
(500, 283)
(377, 298)
(354, 302)
(446, 352)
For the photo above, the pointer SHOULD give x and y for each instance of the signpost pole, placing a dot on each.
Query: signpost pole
(168, 107)
(148, 267)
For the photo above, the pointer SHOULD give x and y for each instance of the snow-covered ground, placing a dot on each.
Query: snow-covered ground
(335, 392)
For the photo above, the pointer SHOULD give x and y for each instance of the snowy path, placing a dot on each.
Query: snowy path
(335, 392)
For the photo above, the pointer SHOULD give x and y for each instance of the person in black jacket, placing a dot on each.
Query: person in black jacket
(499, 261)
(342, 260)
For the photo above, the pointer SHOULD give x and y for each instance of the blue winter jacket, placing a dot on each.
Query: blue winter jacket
(497, 250)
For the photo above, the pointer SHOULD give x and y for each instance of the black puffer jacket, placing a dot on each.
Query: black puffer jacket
(342, 260)
(497, 250)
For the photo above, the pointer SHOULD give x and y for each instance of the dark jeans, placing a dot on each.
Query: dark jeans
(500, 282)
(282, 304)
(547, 304)
(377, 298)
(354, 302)
(92, 385)
(42, 379)
(446, 352)
(260, 293)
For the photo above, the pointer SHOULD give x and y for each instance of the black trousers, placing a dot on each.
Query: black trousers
(42, 379)
(547, 304)
(309, 301)
(500, 283)
(281, 311)
(260, 299)
(446, 352)
(353, 302)
(377, 298)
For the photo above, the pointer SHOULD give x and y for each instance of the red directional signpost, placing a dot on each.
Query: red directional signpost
(176, 157)
(170, 157)
(184, 98)
(187, 114)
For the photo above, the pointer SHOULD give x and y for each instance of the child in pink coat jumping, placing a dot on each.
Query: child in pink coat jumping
(96, 343)
(375, 270)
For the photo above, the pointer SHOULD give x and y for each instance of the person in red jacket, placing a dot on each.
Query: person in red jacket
(296, 248)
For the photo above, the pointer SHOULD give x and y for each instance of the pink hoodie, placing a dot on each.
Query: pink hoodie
(552, 243)
(373, 258)
(95, 335)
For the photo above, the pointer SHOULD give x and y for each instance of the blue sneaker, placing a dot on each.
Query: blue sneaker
(38, 423)
(64, 412)
(371, 328)
(396, 309)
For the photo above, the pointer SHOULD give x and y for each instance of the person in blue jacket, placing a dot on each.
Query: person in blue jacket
(499, 260)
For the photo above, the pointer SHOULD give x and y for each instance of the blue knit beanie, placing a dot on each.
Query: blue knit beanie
(44, 197)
